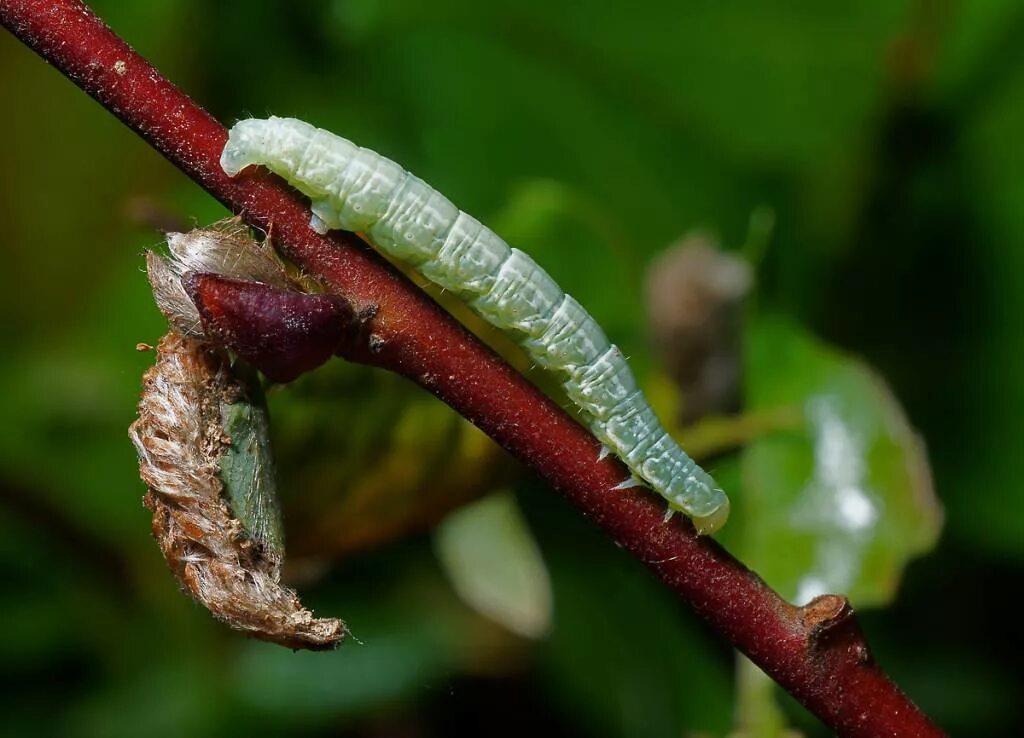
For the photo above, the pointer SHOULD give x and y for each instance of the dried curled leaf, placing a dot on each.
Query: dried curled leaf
(227, 248)
(204, 449)
(221, 285)
(181, 443)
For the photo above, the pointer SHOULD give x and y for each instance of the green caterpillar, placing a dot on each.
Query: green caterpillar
(355, 189)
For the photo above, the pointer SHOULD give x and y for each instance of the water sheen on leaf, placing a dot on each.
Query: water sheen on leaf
(842, 504)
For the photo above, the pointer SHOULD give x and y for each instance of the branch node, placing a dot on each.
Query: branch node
(832, 628)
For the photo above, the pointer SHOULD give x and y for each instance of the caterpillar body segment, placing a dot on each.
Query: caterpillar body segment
(469, 260)
(522, 297)
(355, 189)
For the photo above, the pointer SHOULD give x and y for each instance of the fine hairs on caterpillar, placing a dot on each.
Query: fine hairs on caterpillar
(355, 189)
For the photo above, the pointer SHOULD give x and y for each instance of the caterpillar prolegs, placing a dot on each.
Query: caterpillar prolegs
(355, 189)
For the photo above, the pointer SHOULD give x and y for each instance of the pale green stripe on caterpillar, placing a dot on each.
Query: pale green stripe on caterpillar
(355, 189)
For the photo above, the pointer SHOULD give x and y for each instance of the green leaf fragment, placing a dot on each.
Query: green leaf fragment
(495, 565)
(247, 466)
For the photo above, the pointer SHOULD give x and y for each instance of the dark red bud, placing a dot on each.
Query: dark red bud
(280, 332)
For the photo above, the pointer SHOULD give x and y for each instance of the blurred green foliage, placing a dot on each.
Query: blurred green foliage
(591, 135)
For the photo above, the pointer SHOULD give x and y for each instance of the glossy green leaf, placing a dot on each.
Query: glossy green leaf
(843, 503)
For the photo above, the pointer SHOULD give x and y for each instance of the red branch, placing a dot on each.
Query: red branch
(817, 652)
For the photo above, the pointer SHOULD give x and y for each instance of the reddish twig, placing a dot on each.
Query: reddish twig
(816, 652)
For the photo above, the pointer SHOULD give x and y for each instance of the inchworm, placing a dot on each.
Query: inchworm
(355, 189)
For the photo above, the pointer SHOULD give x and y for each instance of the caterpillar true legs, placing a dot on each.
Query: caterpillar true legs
(355, 189)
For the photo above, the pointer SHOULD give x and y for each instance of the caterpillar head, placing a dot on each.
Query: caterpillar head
(245, 140)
